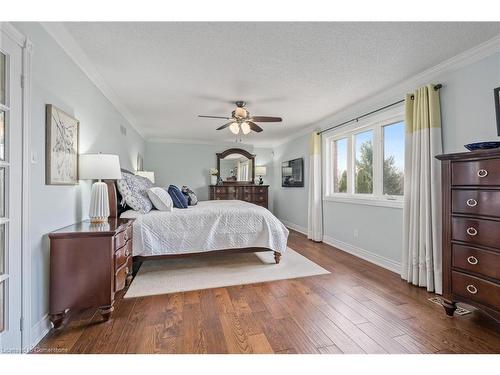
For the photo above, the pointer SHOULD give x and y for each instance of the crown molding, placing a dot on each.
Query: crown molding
(393, 92)
(13, 33)
(66, 41)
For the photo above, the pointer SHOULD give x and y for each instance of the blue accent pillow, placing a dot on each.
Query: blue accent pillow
(178, 198)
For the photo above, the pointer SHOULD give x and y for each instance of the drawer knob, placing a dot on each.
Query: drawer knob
(482, 173)
(471, 202)
(472, 260)
(471, 289)
(471, 231)
(126, 270)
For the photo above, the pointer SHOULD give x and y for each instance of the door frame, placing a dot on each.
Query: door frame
(27, 341)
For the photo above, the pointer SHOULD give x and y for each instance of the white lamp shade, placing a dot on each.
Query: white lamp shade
(99, 167)
(234, 127)
(245, 127)
(260, 171)
(147, 174)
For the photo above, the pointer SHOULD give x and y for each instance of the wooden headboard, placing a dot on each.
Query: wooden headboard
(115, 198)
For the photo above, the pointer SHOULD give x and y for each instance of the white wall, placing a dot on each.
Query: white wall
(468, 115)
(189, 164)
(57, 80)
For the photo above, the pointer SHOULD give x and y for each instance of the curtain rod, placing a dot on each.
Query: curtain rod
(436, 87)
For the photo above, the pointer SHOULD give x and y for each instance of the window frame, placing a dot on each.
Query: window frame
(376, 124)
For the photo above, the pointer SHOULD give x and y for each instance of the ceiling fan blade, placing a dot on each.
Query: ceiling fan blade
(266, 119)
(255, 127)
(226, 118)
(224, 126)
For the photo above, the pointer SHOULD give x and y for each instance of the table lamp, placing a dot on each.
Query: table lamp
(260, 171)
(99, 167)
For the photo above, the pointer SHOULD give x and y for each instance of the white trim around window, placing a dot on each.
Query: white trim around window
(374, 123)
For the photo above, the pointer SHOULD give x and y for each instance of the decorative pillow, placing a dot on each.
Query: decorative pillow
(133, 190)
(178, 198)
(190, 195)
(161, 199)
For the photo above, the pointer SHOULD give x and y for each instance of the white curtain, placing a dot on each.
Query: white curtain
(315, 209)
(243, 171)
(421, 263)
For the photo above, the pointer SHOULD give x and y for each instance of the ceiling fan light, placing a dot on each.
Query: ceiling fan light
(245, 128)
(234, 127)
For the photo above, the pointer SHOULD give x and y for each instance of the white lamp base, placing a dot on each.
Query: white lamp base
(99, 203)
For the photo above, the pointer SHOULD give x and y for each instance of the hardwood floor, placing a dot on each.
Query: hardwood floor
(358, 308)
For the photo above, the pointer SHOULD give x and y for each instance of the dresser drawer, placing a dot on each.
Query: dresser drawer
(260, 190)
(247, 197)
(476, 231)
(476, 289)
(481, 172)
(121, 276)
(476, 260)
(122, 254)
(259, 197)
(122, 237)
(476, 202)
(219, 197)
(220, 190)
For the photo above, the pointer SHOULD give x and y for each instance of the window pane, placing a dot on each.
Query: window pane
(2, 192)
(340, 166)
(2, 135)
(394, 158)
(3, 69)
(364, 163)
(2, 249)
(2, 306)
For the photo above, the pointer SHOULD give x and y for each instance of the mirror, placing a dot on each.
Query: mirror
(236, 165)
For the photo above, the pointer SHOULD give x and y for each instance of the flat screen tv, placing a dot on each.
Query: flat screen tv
(292, 173)
(496, 94)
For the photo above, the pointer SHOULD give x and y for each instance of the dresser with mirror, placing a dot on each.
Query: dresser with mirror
(236, 176)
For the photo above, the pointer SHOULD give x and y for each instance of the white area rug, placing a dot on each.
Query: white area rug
(218, 270)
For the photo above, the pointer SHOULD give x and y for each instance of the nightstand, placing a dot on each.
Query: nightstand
(89, 263)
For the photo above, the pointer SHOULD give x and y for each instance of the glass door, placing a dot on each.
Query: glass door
(10, 194)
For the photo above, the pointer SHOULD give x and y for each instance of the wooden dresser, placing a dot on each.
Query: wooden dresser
(89, 263)
(471, 230)
(257, 194)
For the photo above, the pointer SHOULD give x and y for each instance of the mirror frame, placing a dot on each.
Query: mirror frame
(240, 151)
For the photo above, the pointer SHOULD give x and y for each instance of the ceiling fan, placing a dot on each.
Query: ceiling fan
(242, 121)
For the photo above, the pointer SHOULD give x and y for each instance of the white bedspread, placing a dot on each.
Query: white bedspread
(210, 225)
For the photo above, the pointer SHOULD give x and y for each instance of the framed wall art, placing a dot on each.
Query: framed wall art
(61, 147)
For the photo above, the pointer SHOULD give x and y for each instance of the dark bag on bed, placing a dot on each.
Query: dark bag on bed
(190, 195)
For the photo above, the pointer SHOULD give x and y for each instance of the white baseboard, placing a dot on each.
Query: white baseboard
(367, 255)
(293, 226)
(39, 330)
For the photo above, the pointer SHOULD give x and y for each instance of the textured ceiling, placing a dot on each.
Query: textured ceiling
(167, 73)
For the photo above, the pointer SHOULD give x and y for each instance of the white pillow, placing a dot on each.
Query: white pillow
(161, 199)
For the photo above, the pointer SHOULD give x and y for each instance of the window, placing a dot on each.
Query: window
(340, 171)
(365, 164)
(394, 158)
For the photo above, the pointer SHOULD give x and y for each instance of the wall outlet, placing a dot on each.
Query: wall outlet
(356, 233)
(123, 130)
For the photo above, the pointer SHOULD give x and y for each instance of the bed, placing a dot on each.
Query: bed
(209, 226)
